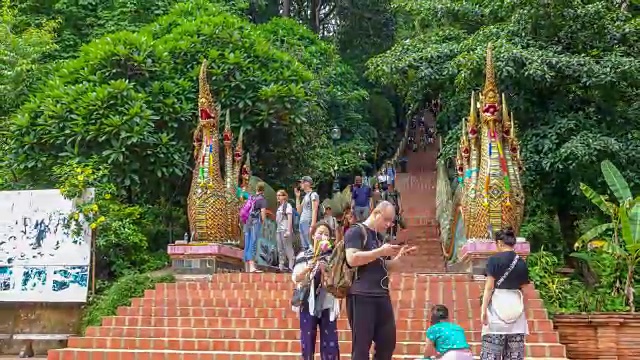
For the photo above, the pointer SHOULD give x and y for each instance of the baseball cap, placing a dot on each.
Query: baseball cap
(307, 179)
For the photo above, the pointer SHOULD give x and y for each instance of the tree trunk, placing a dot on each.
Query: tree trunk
(628, 286)
(567, 221)
(314, 15)
(624, 5)
(286, 8)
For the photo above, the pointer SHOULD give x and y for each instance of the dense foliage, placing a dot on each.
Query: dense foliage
(568, 294)
(103, 95)
(130, 99)
(570, 73)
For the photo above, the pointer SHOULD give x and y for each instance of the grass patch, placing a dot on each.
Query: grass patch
(119, 294)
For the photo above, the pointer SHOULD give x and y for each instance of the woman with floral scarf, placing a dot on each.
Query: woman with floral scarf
(320, 310)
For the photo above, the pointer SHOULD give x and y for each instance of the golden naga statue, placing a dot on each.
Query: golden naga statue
(213, 204)
(489, 165)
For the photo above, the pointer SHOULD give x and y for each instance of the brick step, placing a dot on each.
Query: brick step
(463, 312)
(416, 299)
(418, 203)
(423, 253)
(425, 247)
(396, 284)
(104, 354)
(411, 213)
(419, 220)
(422, 232)
(409, 296)
(251, 345)
(288, 323)
(267, 334)
(407, 278)
(286, 303)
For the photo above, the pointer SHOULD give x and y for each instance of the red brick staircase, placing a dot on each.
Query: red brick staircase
(249, 316)
(417, 190)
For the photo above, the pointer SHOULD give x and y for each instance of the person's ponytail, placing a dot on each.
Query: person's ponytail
(507, 236)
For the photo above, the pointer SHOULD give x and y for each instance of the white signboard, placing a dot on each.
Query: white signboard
(40, 258)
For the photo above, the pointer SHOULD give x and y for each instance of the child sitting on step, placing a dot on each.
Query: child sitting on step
(445, 339)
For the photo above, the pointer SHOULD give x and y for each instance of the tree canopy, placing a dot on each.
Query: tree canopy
(129, 98)
(569, 69)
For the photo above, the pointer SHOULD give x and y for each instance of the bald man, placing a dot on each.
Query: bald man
(369, 307)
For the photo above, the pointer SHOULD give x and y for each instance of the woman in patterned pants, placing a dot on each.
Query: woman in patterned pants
(321, 309)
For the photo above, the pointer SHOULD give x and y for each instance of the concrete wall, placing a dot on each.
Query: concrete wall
(40, 318)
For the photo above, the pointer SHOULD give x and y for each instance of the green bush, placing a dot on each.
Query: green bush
(130, 99)
(122, 244)
(568, 294)
(119, 294)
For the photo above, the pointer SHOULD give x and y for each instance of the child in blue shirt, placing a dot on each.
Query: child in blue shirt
(445, 340)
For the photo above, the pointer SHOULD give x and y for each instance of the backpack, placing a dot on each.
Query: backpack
(296, 219)
(320, 212)
(338, 275)
(310, 206)
(247, 208)
(392, 198)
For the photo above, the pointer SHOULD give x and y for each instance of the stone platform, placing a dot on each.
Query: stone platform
(205, 258)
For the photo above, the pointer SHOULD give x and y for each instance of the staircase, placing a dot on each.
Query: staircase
(417, 190)
(249, 317)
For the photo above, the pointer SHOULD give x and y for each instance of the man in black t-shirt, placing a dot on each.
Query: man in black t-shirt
(369, 305)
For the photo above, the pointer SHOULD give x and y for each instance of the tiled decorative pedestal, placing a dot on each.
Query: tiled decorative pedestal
(473, 255)
(205, 258)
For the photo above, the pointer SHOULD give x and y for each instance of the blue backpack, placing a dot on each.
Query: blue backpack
(296, 219)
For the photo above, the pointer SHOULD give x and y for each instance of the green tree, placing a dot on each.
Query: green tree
(130, 100)
(21, 53)
(83, 21)
(343, 104)
(569, 70)
(367, 28)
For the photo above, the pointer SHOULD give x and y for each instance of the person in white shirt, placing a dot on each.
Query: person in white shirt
(284, 230)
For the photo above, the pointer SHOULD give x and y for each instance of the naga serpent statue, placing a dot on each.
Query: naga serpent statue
(489, 196)
(213, 203)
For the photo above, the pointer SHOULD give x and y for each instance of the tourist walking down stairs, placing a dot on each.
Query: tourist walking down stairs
(360, 199)
(504, 322)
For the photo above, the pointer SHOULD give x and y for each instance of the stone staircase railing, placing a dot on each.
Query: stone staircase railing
(399, 150)
(444, 205)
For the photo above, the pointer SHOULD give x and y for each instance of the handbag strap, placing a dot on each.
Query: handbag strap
(506, 273)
